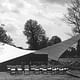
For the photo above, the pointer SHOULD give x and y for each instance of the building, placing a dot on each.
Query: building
(12, 56)
(29, 59)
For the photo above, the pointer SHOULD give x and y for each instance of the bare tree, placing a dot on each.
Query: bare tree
(73, 18)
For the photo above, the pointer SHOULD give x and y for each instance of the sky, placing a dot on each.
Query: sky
(48, 13)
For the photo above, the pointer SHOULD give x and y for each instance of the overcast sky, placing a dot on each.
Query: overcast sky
(48, 13)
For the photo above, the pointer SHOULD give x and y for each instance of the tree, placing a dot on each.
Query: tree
(36, 35)
(73, 18)
(4, 37)
(54, 40)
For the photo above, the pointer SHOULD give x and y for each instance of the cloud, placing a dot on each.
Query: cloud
(14, 14)
(54, 1)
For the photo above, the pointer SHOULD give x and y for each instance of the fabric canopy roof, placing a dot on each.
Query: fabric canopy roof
(55, 51)
(8, 52)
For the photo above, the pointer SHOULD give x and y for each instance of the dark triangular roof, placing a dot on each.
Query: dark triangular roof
(55, 51)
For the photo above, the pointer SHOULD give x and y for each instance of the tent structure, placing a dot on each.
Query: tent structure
(8, 52)
(55, 51)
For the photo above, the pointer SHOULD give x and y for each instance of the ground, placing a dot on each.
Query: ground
(6, 76)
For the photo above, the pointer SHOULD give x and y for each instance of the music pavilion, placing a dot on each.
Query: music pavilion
(10, 55)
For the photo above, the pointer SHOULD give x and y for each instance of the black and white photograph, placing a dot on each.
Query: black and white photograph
(39, 39)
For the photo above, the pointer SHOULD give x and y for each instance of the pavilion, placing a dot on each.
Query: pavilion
(10, 55)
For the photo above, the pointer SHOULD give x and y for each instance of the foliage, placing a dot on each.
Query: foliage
(54, 40)
(4, 37)
(36, 36)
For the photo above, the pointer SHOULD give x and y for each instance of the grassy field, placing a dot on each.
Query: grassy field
(6, 76)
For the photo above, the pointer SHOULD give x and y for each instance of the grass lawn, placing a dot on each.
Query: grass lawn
(6, 76)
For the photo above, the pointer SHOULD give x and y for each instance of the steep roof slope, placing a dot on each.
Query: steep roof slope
(55, 51)
(8, 52)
